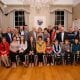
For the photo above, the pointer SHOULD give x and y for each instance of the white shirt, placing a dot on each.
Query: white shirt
(22, 47)
(22, 33)
(34, 35)
(10, 36)
(62, 36)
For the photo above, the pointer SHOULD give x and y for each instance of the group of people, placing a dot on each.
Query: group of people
(38, 46)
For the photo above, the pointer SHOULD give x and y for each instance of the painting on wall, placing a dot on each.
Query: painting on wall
(76, 23)
(40, 21)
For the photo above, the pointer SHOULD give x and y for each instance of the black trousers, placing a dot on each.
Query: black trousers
(69, 57)
(49, 58)
(31, 58)
(77, 57)
(58, 59)
(40, 57)
(22, 56)
(13, 56)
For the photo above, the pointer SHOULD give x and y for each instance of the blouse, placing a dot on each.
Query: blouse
(22, 47)
(4, 48)
(14, 46)
(41, 47)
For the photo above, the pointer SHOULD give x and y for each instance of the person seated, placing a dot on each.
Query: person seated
(45, 34)
(49, 51)
(4, 52)
(57, 52)
(40, 49)
(75, 48)
(14, 50)
(67, 51)
(32, 51)
(22, 49)
(56, 48)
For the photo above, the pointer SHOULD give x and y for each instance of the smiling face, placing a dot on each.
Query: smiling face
(39, 30)
(0, 30)
(31, 39)
(66, 42)
(76, 41)
(39, 38)
(8, 29)
(14, 39)
(48, 39)
(22, 38)
(56, 42)
(3, 40)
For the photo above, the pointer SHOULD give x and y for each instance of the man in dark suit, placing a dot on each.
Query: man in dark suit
(33, 33)
(62, 35)
(9, 35)
(0, 34)
(76, 33)
(26, 32)
(79, 34)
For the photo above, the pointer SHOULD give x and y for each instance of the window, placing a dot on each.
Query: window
(59, 18)
(19, 18)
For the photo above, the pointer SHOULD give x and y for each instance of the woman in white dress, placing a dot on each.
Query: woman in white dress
(22, 49)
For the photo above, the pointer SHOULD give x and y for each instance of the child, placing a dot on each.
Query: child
(75, 48)
(40, 49)
(57, 51)
(49, 51)
(67, 51)
(32, 51)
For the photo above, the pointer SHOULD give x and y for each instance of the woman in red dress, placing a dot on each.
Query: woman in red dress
(49, 51)
(4, 51)
(53, 35)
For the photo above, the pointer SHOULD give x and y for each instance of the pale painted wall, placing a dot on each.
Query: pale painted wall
(43, 12)
(8, 21)
(76, 12)
(62, 2)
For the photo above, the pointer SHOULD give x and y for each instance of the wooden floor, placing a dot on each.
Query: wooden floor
(41, 73)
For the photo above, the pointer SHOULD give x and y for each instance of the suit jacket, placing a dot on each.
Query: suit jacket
(31, 47)
(9, 40)
(26, 34)
(31, 33)
(59, 36)
(76, 34)
(0, 37)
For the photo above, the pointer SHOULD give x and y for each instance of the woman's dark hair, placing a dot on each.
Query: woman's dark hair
(23, 40)
(45, 29)
(39, 37)
(3, 38)
(47, 41)
(13, 36)
(2, 43)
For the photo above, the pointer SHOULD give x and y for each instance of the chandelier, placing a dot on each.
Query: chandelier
(38, 3)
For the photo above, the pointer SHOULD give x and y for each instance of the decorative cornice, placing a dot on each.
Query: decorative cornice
(1, 2)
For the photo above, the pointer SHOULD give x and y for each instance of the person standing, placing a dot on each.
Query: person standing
(9, 35)
(0, 34)
(26, 32)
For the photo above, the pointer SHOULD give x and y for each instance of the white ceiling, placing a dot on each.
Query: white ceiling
(60, 2)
